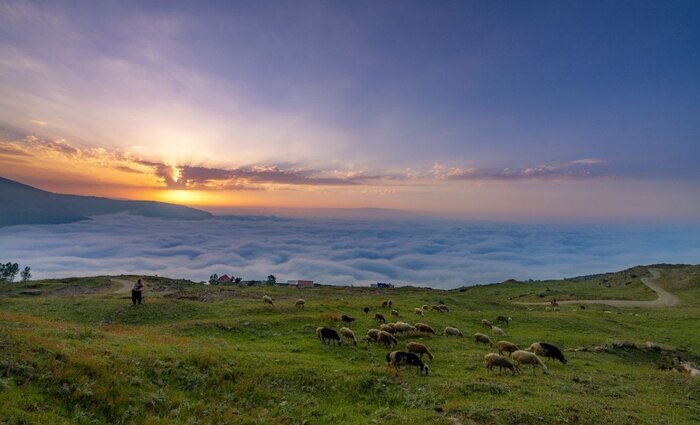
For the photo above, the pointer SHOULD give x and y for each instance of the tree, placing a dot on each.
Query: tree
(271, 280)
(26, 274)
(214, 279)
(237, 280)
(8, 271)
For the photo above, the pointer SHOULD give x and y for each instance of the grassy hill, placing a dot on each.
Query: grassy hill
(34, 206)
(76, 351)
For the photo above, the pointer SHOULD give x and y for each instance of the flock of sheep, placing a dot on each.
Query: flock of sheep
(387, 333)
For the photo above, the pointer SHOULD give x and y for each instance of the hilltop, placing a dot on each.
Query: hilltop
(25, 204)
(75, 350)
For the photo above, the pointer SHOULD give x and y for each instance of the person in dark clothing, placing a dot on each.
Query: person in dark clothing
(136, 292)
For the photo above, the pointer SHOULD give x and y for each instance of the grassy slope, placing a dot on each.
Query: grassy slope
(93, 358)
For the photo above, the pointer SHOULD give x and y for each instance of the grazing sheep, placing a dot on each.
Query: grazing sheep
(347, 319)
(486, 323)
(426, 307)
(394, 313)
(480, 338)
(443, 308)
(402, 358)
(526, 357)
(554, 303)
(436, 308)
(505, 346)
(386, 303)
(388, 327)
(349, 334)
(450, 331)
(318, 332)
(496, 360)
(372, 335)
(300, 303)
(495, 330)
(504, 319)
(386, 338)
(418, 348)
(379, 318)
(418, 311)
(548, 351)
(583, 307)
(267, 299)
(328, 334)
(366, 310)
(402, 327)
(422, 327)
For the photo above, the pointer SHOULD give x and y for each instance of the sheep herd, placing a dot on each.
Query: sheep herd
(386, 334)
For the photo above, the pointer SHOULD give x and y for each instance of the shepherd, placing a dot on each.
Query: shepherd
(136, 292)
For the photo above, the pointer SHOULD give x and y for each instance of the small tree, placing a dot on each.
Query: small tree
(214, 279)
(26, 274)
(271, 280)
(237, 280)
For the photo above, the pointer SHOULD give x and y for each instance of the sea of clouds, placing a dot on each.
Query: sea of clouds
(425, 252)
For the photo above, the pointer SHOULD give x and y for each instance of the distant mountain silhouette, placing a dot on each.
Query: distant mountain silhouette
(22, 204)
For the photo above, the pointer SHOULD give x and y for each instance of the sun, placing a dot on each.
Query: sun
(183, 196)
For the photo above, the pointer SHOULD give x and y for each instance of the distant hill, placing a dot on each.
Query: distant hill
(22, 204)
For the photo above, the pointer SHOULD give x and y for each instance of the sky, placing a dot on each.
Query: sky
(467, 109)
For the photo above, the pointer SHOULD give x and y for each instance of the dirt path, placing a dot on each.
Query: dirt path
(125, 286)
(664, 298)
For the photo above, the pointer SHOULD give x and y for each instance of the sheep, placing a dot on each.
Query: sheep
(349, 334)
(503, 319)
(443, 308)
(426, 307)
(394, 313)
(379, 318)
(548, 351)
(526, 357)
(402, 358)
(366, 310)
(418, 311)
(450, 331)
(372, 335)
(388, 327)
(402, 327)
(418, 348)
(505, 346)
(480, 338)
(554, 303)
(300, 303)
(422, 327)
(486, 323)
(328, 334)
(386, 303)
(436, 308)
(267, 299)
(386, 338)
(495, 330)
(347, 319)
(497, 360)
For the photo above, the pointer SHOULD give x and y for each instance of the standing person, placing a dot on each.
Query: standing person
(136, 292)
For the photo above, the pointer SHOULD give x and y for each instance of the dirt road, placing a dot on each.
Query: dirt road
(125, 286)
(664, 298)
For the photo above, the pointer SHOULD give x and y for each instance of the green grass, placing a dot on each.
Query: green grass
(195, 354)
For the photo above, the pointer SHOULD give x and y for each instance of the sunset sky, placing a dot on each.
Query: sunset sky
(485, 109)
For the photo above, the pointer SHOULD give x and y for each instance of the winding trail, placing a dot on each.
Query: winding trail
(664, 298)
(126, 286)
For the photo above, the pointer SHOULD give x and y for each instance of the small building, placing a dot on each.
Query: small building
(224, 279)
(301, 283)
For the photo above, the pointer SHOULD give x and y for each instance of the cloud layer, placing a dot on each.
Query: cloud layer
(436, 253)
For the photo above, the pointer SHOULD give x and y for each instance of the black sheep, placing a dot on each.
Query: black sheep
(329, 335)
(552, 352)
(403, 358)
(347, 319)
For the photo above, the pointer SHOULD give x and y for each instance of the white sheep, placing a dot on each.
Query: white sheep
(526, 357)
(495, 330)
(349, 334)
(450, 331)
(300, 303)
(419, 311)
(267, 299)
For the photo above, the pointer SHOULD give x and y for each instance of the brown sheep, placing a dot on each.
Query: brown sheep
(372, 335)
(526, 357)
(347, 319)
(504, 319)
(496, 360)
(450, 331)
(394, 313)
(426, 307)
(349, 334)
(486, 323)
(423, 328)
(480, 338)
(418, 348)
(443, 308)
(436, 308)
(505, 346)
(379, 318)
(388, 327)
(386, 338)
(300, 303)
(419, 311)
(386, 303)
(267, 299)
